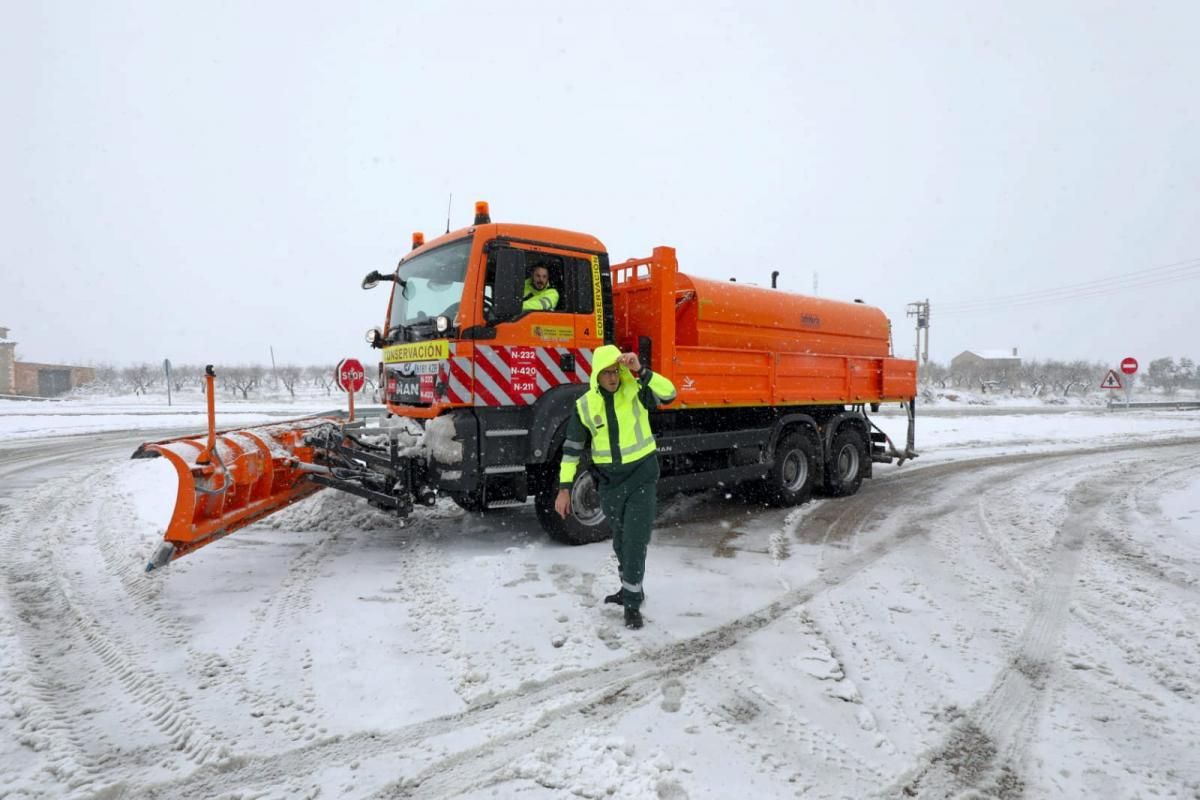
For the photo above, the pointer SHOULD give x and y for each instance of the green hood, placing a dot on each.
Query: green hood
(603, 358)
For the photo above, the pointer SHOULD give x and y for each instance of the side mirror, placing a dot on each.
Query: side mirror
(375, 276)
(510, 284)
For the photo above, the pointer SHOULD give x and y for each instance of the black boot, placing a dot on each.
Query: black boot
(616, 598)
(633, 618)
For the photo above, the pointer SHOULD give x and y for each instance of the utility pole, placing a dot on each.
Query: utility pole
(920, 310)
(816, 280)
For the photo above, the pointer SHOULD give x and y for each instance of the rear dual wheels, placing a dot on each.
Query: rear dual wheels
(846, 463)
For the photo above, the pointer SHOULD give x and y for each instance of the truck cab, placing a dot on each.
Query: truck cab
(491, 381)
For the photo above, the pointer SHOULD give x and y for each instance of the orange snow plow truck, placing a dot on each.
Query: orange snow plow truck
(480, 372)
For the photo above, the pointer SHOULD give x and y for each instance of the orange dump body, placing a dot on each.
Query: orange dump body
(725, 344)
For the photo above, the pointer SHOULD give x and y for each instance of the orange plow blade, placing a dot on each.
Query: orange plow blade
(234, 478)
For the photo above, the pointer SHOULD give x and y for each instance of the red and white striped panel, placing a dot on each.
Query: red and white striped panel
(516, 376)
(455, 375)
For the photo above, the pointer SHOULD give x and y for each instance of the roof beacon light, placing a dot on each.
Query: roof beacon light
(482, 217)
(418, 239)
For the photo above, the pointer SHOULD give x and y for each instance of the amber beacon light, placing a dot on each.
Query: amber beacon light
(482, 217)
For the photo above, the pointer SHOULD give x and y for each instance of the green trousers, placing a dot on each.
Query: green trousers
(628, 497)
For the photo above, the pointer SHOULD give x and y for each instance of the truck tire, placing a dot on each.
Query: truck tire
(794, 472)
(471, 502)
(586, 524)
(844, 468)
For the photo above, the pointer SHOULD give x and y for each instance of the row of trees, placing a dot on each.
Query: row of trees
(1033, 378)
(1171, 375)
(1053, 377)
(240, 380)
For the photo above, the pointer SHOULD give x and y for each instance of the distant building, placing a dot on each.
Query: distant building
(27, 379)
(8, 357)
(985, 360)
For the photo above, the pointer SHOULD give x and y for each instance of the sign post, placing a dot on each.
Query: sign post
(350, 377)
(1129, 366)
(167, 370)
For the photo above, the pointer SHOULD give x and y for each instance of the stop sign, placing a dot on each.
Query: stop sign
(350, 375)
(1129, 365)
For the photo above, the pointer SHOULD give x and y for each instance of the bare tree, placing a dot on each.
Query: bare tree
(321, 376)
(185, 375)
(1078, 373)
(289, 376)
(108, 377)
(243, 378)
(933, 372)
(1033, 375)
(138, 377)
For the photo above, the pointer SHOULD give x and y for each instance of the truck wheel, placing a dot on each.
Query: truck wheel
(844, 469)
(586, 523)
(471, 502)
(794, 471)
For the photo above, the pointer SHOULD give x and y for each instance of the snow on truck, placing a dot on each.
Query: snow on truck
(773, 390)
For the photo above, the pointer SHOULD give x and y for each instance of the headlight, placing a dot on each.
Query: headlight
(442, 324)
(374, 335)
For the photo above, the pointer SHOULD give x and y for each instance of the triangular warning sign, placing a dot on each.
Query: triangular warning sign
(1111, 380)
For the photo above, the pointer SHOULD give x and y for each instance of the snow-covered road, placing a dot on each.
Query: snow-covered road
(1013, 615)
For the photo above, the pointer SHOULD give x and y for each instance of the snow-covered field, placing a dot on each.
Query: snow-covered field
(1014, 614)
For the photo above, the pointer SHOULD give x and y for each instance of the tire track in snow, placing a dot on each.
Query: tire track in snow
(985, 748)
(602, 693)
(1141, 509)
(1126, 602)
(56, 617)
(38, 680)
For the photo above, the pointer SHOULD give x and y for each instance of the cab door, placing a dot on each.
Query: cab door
(537, 350)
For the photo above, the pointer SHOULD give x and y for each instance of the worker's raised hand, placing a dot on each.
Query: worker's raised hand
(562, 503)
(631, 362)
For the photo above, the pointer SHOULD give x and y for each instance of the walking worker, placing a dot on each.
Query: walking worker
(539, 295)
(612, 416)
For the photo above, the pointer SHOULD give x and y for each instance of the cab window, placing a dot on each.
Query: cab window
(552, 283)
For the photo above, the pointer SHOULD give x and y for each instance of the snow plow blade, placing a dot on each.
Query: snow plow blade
(235, 478)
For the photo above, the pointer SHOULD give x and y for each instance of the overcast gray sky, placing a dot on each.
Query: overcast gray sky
(201, 181)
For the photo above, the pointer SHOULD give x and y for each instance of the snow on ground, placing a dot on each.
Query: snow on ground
(1013, 614)
(23, 419)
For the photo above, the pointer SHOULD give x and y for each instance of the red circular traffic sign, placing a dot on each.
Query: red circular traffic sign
(1129, 366)
(350, 375)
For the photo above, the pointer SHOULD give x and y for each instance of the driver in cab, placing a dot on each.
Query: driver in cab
(539, 294)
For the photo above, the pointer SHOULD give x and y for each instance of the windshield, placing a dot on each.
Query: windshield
(430, 285)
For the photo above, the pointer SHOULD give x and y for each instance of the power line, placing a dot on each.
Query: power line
(1153, 276)
(1179, 267)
